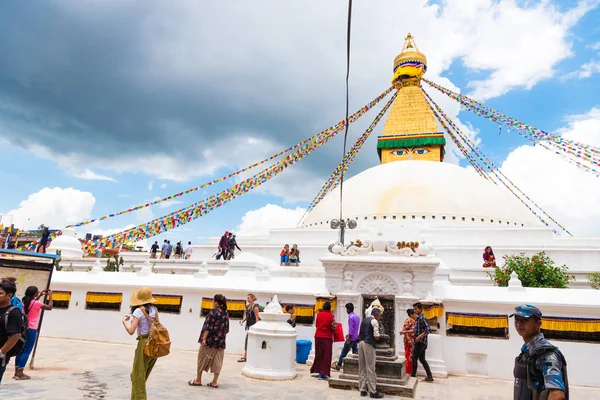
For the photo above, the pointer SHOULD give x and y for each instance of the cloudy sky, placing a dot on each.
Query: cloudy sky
(105, 105)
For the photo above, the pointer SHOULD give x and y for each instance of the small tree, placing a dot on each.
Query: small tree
(536, 271)
(594, 279)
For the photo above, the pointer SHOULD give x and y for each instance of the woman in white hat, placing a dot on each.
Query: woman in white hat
(141, 307)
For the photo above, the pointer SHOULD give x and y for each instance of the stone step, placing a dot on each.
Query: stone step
(392, 381)
(378, 357)
(406, 390)
(391, 368)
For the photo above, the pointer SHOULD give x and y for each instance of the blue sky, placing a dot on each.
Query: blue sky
(106, 98)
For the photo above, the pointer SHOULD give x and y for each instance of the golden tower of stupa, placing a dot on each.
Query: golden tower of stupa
(410, 131)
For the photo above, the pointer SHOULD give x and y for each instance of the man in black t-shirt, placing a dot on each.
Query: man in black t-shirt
(11, 332)
(154, 249)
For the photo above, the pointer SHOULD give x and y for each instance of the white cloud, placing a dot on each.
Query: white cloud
(567, 193)
(150, 185)
(258, 222)
(163, 186)
(169, 203)
(56, 208)
(91, 175)
(479, 34)
(585, 71)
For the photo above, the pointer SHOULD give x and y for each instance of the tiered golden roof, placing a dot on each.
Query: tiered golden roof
(410, 130)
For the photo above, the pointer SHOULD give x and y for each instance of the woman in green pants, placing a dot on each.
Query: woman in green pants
(142, 364)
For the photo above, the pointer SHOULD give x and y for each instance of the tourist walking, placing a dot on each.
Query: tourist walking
(421, 332)
(325, 326)
(489, 259)
(188, 251)
(141, 303)
(367, 338)
(178, 250)
(154, 249)
(32, 308)
(250, 318)
(540, 369)
(408, 330)
(232, 246)
(212, 342)
(223, 246)
(351, 342)
(169, 249)
(163, 250)
(294, 255)
(43, 241)
(10, 323)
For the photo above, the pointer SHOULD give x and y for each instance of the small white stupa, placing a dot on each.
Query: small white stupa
(271, 346)
(67, 243)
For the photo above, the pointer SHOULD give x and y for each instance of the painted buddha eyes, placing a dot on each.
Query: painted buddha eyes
(401, 152)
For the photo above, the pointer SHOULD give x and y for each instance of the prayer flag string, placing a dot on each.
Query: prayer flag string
(574, 152)
(333, 180)
(351, 119)
(446, 122)
(203, 207)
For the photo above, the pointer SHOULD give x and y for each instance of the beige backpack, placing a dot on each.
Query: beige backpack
(159, 343)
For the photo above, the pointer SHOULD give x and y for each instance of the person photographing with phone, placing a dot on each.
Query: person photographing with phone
(32, 308)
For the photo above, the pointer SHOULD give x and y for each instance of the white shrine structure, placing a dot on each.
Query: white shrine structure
(411, 197)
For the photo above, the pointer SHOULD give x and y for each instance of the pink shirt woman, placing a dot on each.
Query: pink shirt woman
(32, 307)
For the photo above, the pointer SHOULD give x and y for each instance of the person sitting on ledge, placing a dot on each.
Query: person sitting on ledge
(489, 260)
(284, 256)
(294, 255)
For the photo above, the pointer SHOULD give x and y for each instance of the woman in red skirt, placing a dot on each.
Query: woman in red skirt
(325, 326)
(408, 330)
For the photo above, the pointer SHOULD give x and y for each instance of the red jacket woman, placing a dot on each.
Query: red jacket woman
(325, 326)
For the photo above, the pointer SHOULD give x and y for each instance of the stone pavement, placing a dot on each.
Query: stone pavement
(71, 369)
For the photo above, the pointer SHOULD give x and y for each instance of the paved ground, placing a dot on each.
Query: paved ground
(70, 369)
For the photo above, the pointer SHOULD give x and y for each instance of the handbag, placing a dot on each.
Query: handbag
(338, 334)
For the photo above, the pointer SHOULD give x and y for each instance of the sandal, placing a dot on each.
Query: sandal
(22, 377)
(243, 359)
(193, 383)
(212, 385)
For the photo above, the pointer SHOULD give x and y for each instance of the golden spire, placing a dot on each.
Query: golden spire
(410, 131)
(410, 62)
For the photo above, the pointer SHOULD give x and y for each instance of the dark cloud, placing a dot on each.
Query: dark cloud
(118, 76)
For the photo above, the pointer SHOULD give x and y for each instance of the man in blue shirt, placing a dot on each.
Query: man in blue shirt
(421, 333)
(540, 370)
(351, 337)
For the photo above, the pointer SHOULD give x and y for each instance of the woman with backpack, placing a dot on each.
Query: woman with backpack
(32, 308)
(212, 340)
(142, 311)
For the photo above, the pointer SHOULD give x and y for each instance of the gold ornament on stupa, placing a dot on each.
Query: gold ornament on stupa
(410, 131)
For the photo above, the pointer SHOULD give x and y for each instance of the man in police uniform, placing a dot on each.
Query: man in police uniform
(541, 369)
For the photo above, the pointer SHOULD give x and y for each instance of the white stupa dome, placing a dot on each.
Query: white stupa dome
(67, 243)
(442, 194)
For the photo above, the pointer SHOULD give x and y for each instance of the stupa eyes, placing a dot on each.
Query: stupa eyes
(402, 152)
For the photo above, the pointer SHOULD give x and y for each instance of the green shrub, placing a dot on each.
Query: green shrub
(536, 271)
(594, 279)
